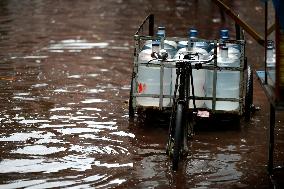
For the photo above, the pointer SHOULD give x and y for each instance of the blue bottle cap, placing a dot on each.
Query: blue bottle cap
(224, 34)
(192, 33)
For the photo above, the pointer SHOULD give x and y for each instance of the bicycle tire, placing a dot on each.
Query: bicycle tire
(178, 136)
(249, 94)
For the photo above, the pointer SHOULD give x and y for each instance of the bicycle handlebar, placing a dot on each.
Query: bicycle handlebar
(165, 59)
(202, 61)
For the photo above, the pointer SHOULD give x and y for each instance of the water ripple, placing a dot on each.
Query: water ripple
(26, 136)
(68, 131)
(89, 101)
(122, 133)
(38, 150)
(109, 149)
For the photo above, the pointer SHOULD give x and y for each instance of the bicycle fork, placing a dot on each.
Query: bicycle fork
(184, 83)
(182, 86)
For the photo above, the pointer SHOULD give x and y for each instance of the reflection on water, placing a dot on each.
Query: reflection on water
(64, 76)
(75, 162)
(72, 45)
(219, 168)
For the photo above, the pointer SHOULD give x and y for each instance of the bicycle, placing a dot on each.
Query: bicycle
(182, 118)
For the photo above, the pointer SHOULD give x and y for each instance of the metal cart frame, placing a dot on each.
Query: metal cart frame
(139, 38)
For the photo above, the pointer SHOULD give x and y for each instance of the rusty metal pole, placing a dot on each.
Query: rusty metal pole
(151, 25)
(265, 42)
(271, 139)
(238, 31)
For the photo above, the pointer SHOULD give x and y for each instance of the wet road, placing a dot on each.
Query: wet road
(65, 69)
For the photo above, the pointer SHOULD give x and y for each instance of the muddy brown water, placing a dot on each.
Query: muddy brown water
(65, 70)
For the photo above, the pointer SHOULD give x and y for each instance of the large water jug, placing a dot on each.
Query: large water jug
(271, 63)
(148, 79)
(198, 75)
(168, 45)
(227, 84)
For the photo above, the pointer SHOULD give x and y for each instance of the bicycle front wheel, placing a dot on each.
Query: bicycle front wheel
(178, 136)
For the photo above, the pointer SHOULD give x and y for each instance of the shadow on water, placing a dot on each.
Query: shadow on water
(217, 122)
(220, 122)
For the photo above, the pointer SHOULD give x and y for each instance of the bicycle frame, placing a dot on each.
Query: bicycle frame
(184, 79)
(184, 83)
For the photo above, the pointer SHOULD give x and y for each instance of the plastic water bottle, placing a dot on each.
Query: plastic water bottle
(148, 79)
(169, 46)
(148, 43)
(198, 75)
(271, 63)
(192, 34)
(232, 48)
(227, 84)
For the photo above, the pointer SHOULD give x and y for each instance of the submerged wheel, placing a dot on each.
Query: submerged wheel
(249, 94)
(178, 136)
(130, 102)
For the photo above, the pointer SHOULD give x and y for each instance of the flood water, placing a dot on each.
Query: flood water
(65, 69)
